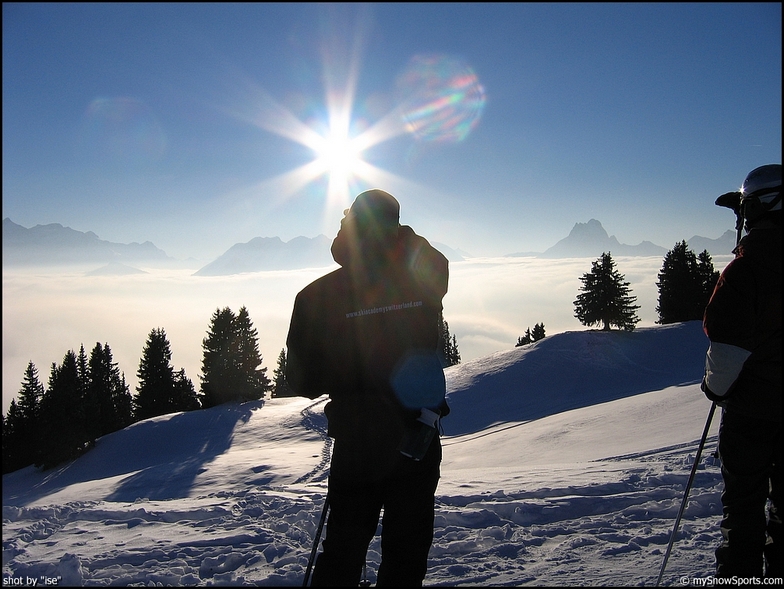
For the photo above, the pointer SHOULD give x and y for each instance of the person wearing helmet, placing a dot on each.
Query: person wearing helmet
(743, 375)
(367, 334)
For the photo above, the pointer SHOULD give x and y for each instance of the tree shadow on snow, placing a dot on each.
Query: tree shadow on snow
(179, 459)
(164, 454)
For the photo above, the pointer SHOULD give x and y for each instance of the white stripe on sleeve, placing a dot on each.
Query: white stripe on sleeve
(723, 363)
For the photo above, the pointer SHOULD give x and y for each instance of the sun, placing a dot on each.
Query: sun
(339, 157)
(441, 101)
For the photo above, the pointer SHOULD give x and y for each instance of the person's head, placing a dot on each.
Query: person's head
(368, 232)
(374, 215)
(759, 199)
(760, 196)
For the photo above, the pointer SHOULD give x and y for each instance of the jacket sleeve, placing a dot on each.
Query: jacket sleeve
(303, 363)
(723, 363)
(729, 324)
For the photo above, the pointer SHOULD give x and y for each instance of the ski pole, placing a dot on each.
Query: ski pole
(686, 493)
(316, 540)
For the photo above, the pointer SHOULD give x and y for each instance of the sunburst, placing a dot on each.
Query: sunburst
(441, 101)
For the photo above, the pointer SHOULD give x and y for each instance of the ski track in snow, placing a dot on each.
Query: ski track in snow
(571, 535)
(311, 421)
(583, 535)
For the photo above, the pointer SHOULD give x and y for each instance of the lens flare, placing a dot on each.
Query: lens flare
(442, 98)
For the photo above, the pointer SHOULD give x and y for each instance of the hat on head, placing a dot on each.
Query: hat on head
(377, 206)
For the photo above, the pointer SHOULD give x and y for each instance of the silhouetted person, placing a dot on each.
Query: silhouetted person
(367, 335)
(743, 375)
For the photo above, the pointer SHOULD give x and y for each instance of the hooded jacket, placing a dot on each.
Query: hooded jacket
(743, 322)
(353, 330)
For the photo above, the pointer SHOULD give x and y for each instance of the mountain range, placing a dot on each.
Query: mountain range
(590, 240)
(55, 244)
(271, 253)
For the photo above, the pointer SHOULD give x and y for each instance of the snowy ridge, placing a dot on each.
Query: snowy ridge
(570, 370)
(232, 495)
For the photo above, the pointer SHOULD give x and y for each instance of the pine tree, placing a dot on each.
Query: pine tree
(280, 387)
(108, 404)
(30, 394)
(220, 375)
(230, 365)
(82, 369)
(708, 277)
(254, 379)
(63, 430)
(524, 340)
(13, 447)
(161, 390)
(531, 336)
(685, 284)
(96, 393)
(28, 428)
(156, 378)
(448, 351)
(123, 402)
(444, 341)
(454, 353)
(605, 297)
(184, 397)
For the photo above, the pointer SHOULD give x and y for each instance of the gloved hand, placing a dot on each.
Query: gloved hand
(721, 401)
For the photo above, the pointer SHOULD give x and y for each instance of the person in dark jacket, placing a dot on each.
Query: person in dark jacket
(367, 335)
(743, 375)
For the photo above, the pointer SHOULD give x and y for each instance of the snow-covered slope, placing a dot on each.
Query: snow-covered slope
(564, 464)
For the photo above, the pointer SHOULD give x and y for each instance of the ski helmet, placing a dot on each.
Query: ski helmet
(761, 192)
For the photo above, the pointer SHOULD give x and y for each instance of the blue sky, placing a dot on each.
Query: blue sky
(497, 126)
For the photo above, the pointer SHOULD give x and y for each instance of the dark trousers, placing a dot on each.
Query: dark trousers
(750, 452)
(358, 491)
